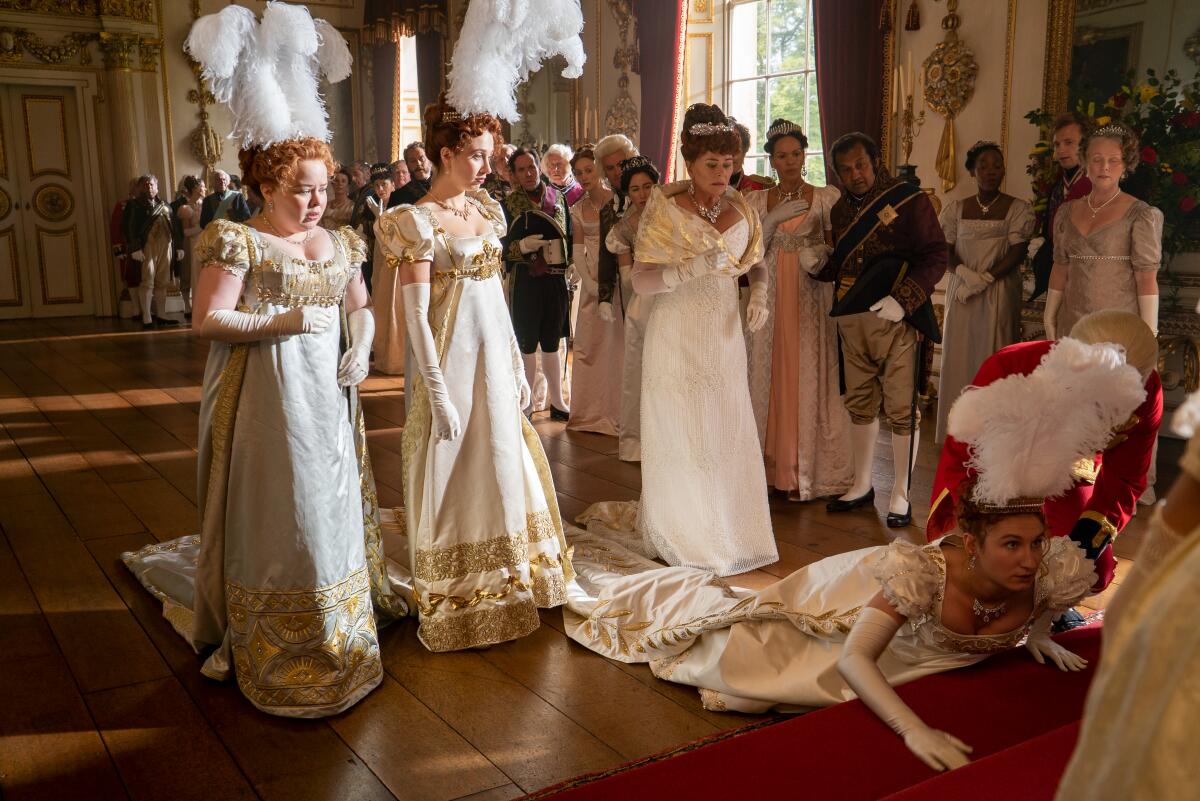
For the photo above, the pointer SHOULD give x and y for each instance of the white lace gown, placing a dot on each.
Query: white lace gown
(778, 648)
(704, 490)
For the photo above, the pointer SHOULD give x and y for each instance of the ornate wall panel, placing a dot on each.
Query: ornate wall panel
(58, 267)
(46, 135)
(10, 277)
(698, 68)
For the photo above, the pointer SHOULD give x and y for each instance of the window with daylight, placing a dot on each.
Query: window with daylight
(773, 74)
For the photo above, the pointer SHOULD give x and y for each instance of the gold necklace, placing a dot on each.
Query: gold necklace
(464, 213)
(1096, 209)
(985, 209)
(784, 197)
(307, 236)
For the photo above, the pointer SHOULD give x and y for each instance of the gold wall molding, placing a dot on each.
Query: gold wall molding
(10, 235)
(700, 10)
(16, 42)
(148, 52)
(1060, 35)
(205, 143)
(72, 237)
(1009, 42)
(704, 40)
(138, 10)
(117, 49)
(622, 116)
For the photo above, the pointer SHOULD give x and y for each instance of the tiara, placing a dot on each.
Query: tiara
(449, 114)
(636, 163)
(1016, 506)
(709, 128)
(983, 143)
(783, 129)
(1112, 129)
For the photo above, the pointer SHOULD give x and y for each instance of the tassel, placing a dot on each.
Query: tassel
(913, 21)
(885, 16)
(945, 157)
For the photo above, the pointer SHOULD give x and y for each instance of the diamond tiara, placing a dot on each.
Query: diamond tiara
(783, 129)
(709, 128)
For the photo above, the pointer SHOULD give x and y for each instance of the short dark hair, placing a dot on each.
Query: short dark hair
(847, 142)
(414, 146)
(743, 133)
(190, 182)
(524, 151)
(1073, 118)
(977, 150)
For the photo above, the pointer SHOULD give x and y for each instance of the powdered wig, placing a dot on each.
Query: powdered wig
(615, 143)
(558, 150)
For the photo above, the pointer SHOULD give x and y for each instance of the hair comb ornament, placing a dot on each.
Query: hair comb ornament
(783, 129)
(1112, 129)
(710, 128)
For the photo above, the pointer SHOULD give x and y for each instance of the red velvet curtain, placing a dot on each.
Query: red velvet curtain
(661, 27)
(849, 68)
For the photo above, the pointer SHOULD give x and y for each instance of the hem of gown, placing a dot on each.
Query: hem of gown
(605, 427)
(479, 628)
(326, 710)
(814, 493)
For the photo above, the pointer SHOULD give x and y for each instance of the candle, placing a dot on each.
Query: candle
(895, 90)
(908, 82)
(597, 113)
(586, 121)
(578, 133)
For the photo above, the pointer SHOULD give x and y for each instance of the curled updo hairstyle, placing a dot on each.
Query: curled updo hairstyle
(190, 182)
(977, 150)
(972, 519)
(725, 142)
(445, 127)
(1123, 136)
(275, 165)
(632, 167)
(584, 152)
(797, 134)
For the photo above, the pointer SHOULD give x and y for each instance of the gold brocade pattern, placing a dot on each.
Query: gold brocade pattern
(669, 235)
(385, 599)
(712, 700)
(480, 267)
(492, 624)
(465, 558)
(306, 648)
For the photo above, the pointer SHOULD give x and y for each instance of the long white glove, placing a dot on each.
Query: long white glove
(532, 243)
(228, 325)
(606, 312)
(446, 425)
(780, 214)
(813, 258)
(1035, 245)
(1148, 311)
(888, 309)
(705, 263)
(971, 283)
(524, 393)
(137, 255)
(1050, 315)
(1042, 647)
(178, 255)
(859, 666)
(756, 310)
(356, 361)
(376, 205)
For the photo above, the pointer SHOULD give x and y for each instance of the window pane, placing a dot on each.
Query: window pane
(747, 39)
(756, 165)
(790, 20)
(787, 99)
(748, 103)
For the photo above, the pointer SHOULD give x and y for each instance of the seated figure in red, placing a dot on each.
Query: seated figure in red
(1106, 489)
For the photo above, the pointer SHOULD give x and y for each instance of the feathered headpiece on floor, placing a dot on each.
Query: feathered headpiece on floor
(1025, 432)
(502, 42)
(267, 72)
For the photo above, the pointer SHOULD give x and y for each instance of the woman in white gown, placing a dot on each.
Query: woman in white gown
(281, 578)
(482, 520)
(638, 178)
(704, 493)
(598, 346)
(857, 623)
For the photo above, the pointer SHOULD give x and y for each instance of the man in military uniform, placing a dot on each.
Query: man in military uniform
(541, 304)
(1067, 137)
(147, 228)
(881, 220)
(739, 180)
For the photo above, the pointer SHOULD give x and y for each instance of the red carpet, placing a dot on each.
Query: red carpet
(845, 752)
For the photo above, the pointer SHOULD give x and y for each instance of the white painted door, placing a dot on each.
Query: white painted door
(42, 238)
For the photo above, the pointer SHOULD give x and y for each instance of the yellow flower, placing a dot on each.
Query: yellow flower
(1103, 120)
(1166, 168)
(1039, 150)
(1146, 92)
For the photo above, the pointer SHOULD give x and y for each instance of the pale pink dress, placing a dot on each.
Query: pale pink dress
(598, 348)
(793, 364)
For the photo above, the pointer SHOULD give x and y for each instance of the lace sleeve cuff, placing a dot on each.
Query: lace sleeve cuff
(910, 579)
(1069, 574)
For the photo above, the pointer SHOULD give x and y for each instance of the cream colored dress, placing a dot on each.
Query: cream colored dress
(390, 351)
(635, 309)
(1100, 266)
(482, 520)
(282, 577)
(778, 648)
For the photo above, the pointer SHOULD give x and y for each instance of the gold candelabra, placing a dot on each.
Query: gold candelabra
(910, 127)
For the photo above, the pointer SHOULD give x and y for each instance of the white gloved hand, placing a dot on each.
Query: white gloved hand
(1042, 647)
(813, 258)
(178, 255)
(1035, 245)
(606, 312)
(531, 243)
(710, 262)
(1148, 311)
(1050, 315)
(229, 325)
(376, 205)
(446, 425)
(356, 361)
(756, 310)
(888, 309)
(137, 255)
(975, 282)
(782, 213)
(859, 666)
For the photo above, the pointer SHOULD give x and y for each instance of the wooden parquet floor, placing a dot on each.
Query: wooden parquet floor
(100, 699)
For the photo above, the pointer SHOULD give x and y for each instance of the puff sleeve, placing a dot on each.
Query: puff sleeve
(492, 210)
(1020, 222)
(1069, 574)
(405, 233)
(354, 245)
(619, 239)
(910, 578)
(824, 199)
(224, 244)
(949, 221)
(1061, 237)
(1145, 238)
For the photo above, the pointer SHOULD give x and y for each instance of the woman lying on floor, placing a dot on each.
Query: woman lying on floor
(858, 623)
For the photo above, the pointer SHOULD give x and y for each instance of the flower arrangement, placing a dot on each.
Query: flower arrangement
(1165, 113)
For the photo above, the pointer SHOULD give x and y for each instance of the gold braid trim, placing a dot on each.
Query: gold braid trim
(495, 624)
(1107, 530)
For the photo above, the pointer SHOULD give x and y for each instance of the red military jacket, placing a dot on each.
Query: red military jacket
(1118, 473)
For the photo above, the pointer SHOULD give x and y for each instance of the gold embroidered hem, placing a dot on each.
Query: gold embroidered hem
(489, 626)
(458, 561)
(306, 652)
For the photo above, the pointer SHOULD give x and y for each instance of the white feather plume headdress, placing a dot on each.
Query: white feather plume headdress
(502, 42)
(267, 71)
(1024, 432)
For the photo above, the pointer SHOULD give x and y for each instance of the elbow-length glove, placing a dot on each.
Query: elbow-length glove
(859, 666)
(228, 325)
(1054, 299)
(781, 214)
(757, 311)
(356, 361)
(1042, 647)
(705, 263)
(446, 425)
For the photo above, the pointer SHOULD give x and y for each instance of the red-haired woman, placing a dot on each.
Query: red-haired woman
(481, 516)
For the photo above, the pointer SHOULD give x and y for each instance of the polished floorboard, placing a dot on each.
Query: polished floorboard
(100, 699)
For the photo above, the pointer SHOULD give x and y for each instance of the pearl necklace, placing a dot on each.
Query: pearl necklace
(307, 236)
(988, 613)
(710, 214)
(1096, 209)
(464, 213)
(985, 209)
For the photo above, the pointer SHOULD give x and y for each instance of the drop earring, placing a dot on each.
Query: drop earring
(971, 562)
(270, 205)
(804, 171)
